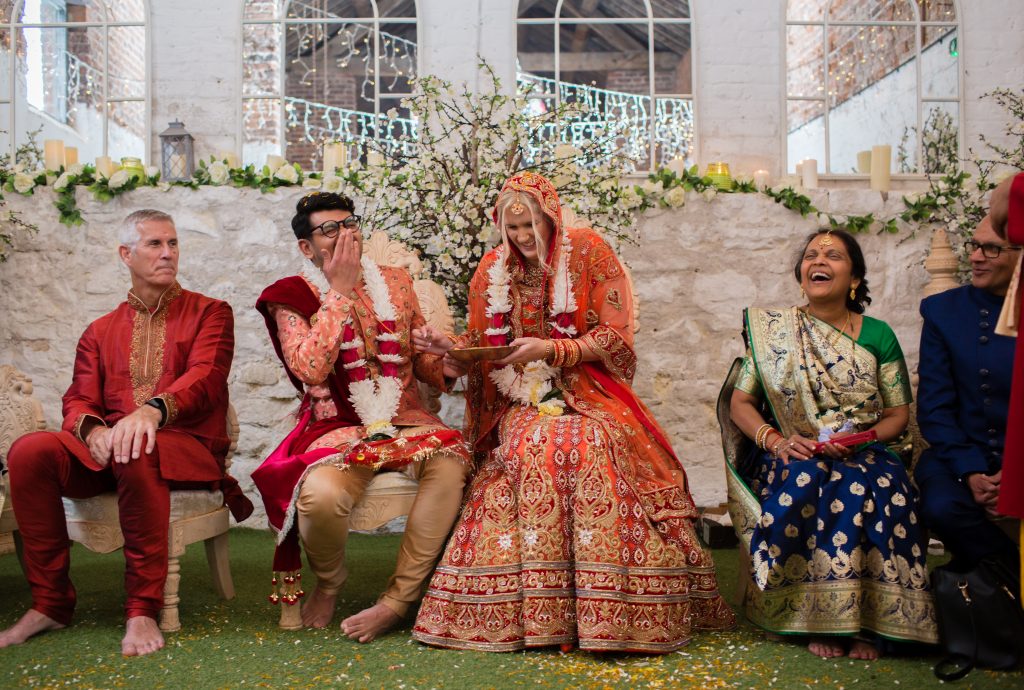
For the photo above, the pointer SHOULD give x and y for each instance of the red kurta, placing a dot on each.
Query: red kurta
(1011, 491)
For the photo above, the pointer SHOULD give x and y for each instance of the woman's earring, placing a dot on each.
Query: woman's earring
(853, 293)
(803, 294)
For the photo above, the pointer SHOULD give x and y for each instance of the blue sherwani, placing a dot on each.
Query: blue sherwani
(962, 403)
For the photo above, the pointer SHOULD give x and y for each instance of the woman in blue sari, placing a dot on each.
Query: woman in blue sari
(836, 550)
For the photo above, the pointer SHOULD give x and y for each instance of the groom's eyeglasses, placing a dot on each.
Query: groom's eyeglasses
(989, 251)
(331, 228)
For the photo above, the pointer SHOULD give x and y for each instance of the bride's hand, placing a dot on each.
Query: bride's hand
(796, 448)
(526, 350)
(430, 340)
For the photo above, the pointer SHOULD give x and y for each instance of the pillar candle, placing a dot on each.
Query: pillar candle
(760, 179)
(275, 163)
(70, 156)
(230, 159)
(374, 159)
(881, 159)
(335, 156)
(104, 166)
(53, 154)
(809, 173)
(864, 162)
(677, 165)
(799, 166)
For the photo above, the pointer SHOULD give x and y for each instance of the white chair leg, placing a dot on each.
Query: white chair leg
(291, 616)
(220, 565)
(169, 620)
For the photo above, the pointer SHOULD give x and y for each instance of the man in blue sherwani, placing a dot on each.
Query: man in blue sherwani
(962, 405)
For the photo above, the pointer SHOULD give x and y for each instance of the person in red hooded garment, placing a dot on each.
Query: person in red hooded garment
(146, 412)
(1008, 221)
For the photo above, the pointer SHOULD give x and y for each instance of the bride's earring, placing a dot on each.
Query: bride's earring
(803, 293)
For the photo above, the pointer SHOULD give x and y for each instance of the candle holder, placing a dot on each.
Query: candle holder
(719, 174)
(177, 157)
(134, 167)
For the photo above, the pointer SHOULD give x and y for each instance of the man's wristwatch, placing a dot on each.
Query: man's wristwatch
(159, 404)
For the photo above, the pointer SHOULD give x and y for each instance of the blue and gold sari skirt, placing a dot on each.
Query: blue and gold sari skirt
(838, 548)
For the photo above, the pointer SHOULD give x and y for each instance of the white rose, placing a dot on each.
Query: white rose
(287, 173)
(630, 198)
(392, 113)
(675, 197)
(331, 183)
(1018, 129)
(709, 193)
(62, 182)
(23, 183)
(650, 187)
(152, 171)
(218, 173)
(311, 182)
(76, 169)
(118, 179)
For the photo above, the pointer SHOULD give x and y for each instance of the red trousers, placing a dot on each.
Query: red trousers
(43, 468)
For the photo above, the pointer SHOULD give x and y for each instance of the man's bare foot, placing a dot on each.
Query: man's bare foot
(318, 609)
(32, 623)
(141, 636)
(861, 649)
(366, 625)
(826, 648)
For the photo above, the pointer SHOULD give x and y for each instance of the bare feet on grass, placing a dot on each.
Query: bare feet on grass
(861, 649)
(29, 625)
(369, 623)
(141, 636)
(826, 648)
(318, 609)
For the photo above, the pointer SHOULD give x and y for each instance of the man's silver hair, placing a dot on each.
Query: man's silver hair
(129, 234)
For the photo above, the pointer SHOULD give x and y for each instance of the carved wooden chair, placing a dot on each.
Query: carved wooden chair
(20, 414)
(195, 516)
(93, 522)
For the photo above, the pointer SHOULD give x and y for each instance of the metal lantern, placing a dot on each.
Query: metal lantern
(176, 153)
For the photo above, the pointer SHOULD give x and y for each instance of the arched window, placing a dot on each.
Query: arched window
(866, 72)
(629, 61)
(324, 70)
(76, 70)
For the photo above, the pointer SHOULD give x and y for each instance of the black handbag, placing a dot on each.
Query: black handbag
(981, 622)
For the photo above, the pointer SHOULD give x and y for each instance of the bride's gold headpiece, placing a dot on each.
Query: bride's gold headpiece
(516, 207)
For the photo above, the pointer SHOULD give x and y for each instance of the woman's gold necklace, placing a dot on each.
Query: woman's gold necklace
(838, 334)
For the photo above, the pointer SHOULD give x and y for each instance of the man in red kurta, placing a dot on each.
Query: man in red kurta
(1008, 220)
(146, 412)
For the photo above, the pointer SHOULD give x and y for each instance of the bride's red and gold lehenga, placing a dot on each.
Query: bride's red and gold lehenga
(578, 527)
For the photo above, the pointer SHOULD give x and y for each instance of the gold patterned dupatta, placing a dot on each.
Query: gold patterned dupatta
(812, 375)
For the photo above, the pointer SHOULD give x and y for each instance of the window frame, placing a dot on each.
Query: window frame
(283, 22)
(921, 100)
(10, 99)
(556, 21)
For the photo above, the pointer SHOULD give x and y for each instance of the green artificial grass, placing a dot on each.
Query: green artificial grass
(237, 644)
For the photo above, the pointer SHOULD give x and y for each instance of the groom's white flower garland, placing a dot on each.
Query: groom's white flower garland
(535, 381)
(375, 398)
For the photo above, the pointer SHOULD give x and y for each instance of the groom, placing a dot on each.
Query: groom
(343, 333)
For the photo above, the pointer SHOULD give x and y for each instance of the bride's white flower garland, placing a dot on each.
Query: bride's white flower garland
(535, 381)
(375, 398)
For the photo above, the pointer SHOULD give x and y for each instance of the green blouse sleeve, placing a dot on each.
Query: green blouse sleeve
(747, 381)
(893, 377)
